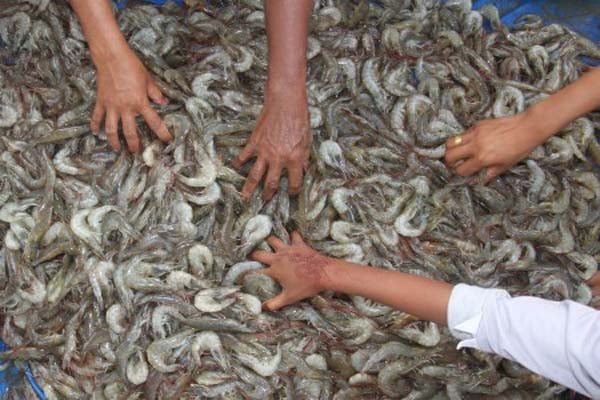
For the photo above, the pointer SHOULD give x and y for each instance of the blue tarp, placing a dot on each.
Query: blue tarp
(582, 16)
(11, 374)
(122, 3)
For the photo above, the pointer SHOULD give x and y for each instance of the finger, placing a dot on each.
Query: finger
(458, 140)
(265, 271)
(254, 177)
(272, 180)
(596, 290)
(469, 167)
(156, 95)
(295, 179)
(96, 120)
(110, 126)
(130, 132)
(595, 280)
(276, 243)
(297, 238)
(306, 165)
(156, 124)
(457, 153)
(276, 302)
(264, 257)
(246, 153)
(492, 173)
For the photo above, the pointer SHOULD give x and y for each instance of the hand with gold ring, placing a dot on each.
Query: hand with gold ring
(494, 145)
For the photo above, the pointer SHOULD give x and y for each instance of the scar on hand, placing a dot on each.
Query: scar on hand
(309, 266)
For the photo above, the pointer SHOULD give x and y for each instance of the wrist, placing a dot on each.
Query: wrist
(554, 113)
(103, 52)
(288, 89)
(329, 279)
(538, 122)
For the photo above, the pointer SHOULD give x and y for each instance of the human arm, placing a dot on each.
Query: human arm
(123, 83)
(303, 273)
(498, 144)
(559, 340)
(282, 137)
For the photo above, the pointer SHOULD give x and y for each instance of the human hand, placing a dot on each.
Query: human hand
(281, 139)
(123, 88)
(300, 270)
(494, 144)
(595, 284)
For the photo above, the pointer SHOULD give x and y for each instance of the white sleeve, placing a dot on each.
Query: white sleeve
(558, 340)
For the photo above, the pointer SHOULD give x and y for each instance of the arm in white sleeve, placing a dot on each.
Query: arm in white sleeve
(558, 340)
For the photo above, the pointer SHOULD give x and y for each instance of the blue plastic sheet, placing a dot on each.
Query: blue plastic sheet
(8, 372)
(11, 375)
(123, 3)
(582, 16)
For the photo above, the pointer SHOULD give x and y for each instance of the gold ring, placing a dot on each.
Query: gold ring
(458, 140)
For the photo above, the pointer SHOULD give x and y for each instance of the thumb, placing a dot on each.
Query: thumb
(156, 95)
(276, 302)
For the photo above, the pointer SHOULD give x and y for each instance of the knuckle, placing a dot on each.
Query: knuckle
(298, 159)
(256, 173)
(153, 119)
(138, 103)
(271, 186)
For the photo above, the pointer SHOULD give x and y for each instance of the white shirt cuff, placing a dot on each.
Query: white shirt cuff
(465, 309)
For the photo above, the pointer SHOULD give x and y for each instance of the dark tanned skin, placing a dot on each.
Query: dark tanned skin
(124, 86)
(282, 135)
(281, 139)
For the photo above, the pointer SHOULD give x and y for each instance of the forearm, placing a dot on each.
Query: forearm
(100, 29)
(569, 103)
(287, 34)
(422, 297)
